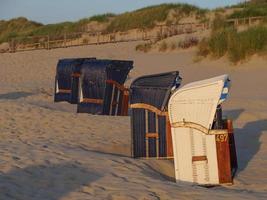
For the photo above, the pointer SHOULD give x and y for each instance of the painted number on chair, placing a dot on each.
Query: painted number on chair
(221, 138)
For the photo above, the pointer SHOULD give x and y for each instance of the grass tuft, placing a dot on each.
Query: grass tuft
(237, 45)
(188, 42)
(145, 47)
(102, 18)
(163, 46)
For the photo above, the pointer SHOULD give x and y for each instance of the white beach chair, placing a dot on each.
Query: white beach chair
(203, 153)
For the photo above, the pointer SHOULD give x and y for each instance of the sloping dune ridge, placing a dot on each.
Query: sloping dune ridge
(47, 151)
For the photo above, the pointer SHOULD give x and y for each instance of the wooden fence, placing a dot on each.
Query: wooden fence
(246, 21)
(92, 38)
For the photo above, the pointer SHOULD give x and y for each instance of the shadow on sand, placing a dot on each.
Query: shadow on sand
(44, 182)
(233, 114)
(248, 142)
(15, 95)
(247, 139)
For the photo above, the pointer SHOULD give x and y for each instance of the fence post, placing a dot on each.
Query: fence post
(11, 46)
(9, 43)
(65, 40)
(145, 34)
(98, 38)
(237, 21)
(161, 32)
(48, 42)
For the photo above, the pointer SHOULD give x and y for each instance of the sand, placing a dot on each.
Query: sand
(47, 151)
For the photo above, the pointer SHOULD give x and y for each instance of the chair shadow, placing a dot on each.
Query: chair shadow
(246, 138)
(248, 143)
(162, 170)
(44, 182)
(233, 114)
(15, 95)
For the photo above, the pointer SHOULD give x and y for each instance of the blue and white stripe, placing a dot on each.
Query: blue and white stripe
(225, 91)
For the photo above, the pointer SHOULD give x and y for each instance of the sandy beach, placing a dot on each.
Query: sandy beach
(47, 151)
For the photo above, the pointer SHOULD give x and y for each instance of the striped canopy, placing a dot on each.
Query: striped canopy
(225, 90)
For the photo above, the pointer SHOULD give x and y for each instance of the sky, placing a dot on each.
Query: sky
(53, 11)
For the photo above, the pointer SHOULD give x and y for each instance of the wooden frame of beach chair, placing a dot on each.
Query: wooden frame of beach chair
(119, 99)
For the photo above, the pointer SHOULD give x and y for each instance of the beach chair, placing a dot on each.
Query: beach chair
(101, 87)
(149, 96)
(67, 79)
(203, 142)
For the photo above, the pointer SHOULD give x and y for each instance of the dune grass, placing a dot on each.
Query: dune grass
(53, 29)
(244, 44)
(102, 18)
(237, 46)
(16, 27)
(70, 27)
(21, 27)
(149, 16)
(244, 4)
(252, 9)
